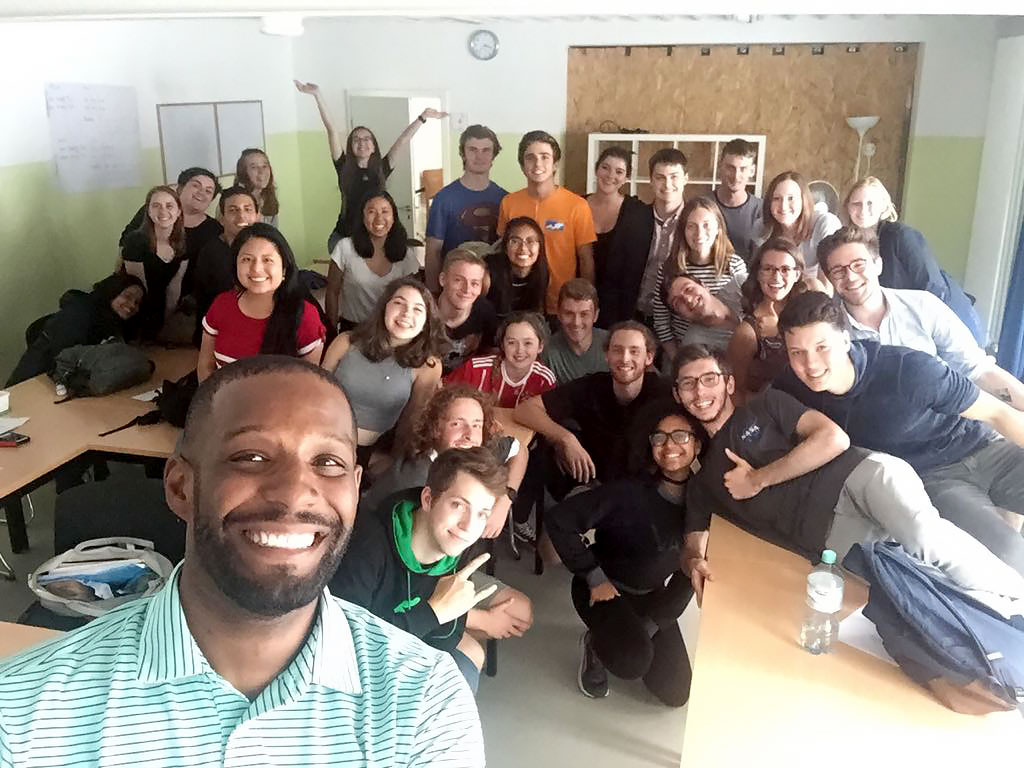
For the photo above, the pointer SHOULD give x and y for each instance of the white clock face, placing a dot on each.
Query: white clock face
(483, 44)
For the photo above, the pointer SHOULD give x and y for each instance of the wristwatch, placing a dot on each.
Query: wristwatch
(422, 119)
(512, 493)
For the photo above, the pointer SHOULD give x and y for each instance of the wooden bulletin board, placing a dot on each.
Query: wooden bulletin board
(799, 100)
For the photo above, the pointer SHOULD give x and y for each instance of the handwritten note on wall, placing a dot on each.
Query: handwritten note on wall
(94, 133)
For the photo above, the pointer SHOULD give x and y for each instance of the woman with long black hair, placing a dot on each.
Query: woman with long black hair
(628, 587)
(519, 269)
(364, 264)
(267, 311)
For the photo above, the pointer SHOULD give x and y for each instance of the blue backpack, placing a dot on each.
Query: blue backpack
(969, 656)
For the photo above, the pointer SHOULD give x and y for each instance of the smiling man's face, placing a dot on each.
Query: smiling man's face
(268, 485)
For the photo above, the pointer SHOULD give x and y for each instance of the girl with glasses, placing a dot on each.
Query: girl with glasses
(519, 269)
(756, 351)
(627, 587)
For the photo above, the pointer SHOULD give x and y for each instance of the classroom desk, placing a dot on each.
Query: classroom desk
(15, 638)
(63, 432)
(759, 699)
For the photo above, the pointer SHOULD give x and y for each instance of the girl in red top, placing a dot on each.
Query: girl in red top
(266, 313)
(513, 374)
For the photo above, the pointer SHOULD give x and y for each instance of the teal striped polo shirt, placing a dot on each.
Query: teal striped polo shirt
(133, 689)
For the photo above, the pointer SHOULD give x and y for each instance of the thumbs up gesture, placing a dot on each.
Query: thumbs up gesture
(741, 481)
(454, 595)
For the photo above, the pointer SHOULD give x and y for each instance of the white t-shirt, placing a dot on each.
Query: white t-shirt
(361, 287)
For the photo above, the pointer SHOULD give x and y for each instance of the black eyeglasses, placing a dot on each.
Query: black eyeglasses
(769, 271)
(679, 437)
(689, 383)
(857, 266)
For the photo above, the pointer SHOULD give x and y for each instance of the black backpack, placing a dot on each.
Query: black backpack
(171, 404)
(99, 369)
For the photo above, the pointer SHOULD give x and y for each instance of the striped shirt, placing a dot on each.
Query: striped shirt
(668, 326)
(133, 689)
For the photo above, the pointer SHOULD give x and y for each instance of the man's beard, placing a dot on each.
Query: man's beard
(281, 592)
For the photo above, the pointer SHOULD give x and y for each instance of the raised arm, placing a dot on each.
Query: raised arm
(410, 130)
(821, 440)
(334, 138)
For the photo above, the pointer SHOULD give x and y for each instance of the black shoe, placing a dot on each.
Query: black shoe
(592, 677)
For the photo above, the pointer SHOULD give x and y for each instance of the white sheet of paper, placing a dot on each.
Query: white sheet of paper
(10, 424)
(147, 397)
(858, 631)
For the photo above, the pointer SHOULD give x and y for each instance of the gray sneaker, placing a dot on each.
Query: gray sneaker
(592, 677)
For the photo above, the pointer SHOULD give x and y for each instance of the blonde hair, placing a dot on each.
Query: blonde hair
(888, 209)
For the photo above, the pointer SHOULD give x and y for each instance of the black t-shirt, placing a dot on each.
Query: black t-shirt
(604, 422)
(797, 513)
(476, 333)
(159, 273)
(364, 182)
(903, 402)
(213, 273)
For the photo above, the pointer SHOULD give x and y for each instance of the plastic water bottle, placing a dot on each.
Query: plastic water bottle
(824, 599)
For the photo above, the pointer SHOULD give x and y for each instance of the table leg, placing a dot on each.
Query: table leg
(15, 522)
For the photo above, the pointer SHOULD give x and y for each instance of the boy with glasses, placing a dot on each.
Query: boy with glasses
(907, 318)
(787, 473)
(908, 404)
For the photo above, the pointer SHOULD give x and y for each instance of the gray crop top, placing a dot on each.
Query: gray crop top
(377, 391)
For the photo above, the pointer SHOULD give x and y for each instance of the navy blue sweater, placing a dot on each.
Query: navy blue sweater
(903, 402)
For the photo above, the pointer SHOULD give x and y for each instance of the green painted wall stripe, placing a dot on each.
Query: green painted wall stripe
(941, 189)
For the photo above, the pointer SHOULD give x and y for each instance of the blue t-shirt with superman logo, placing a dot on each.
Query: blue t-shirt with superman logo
(459, 215)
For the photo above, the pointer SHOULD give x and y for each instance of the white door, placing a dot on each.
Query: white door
(387, 116)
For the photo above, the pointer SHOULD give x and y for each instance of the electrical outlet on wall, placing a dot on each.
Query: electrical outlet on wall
(459, 121)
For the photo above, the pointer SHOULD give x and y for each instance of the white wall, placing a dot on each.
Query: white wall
(1000, 203)
(524, 87)
(165, 61)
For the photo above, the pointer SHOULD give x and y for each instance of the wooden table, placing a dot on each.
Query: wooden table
(64, 432)
(758, 699)
(15, 638)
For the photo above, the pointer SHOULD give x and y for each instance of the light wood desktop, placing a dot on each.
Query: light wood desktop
(15, 638)
(62, 432)
(759, 699)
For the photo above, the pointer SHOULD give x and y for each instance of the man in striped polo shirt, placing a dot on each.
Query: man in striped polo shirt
(243, 659)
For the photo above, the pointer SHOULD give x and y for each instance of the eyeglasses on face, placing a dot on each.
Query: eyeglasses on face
(679, 437)
(769, 271)
(689, 383)
(529, 242)
(857, 266)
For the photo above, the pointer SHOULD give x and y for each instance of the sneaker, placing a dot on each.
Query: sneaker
(592, 677)
(524, 532)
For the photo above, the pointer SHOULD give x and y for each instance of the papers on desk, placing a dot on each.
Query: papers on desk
(11, 424)
(859, 631)
(147, 397)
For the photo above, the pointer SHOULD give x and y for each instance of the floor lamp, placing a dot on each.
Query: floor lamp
(861, 124)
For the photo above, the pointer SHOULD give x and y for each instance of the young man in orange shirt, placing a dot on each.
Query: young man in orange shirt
(565, 217)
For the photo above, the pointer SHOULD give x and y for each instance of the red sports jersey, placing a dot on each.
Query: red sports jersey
(236, 335)
(480, 373)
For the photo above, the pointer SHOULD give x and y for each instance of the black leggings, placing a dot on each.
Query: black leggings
(638, 636)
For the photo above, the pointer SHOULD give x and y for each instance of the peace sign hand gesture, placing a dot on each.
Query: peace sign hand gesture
(741, 481)
(455, 594)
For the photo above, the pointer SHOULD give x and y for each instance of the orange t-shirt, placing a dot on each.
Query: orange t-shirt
(567, 223)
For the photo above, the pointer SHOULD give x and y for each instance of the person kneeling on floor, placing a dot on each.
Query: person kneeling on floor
(628, 587)
(403, 562)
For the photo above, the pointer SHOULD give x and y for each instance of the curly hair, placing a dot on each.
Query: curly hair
(427, 435)
(372, 338)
